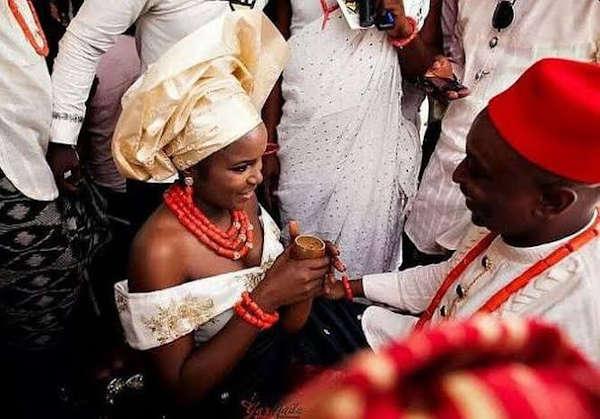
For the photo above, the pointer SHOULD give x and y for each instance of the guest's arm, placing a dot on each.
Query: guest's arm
(452, 36)
(420, 53)
(90, 34)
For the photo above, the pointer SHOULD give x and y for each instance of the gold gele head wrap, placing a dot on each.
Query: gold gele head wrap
(203, 94)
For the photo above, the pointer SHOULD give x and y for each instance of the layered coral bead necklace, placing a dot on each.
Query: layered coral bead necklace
(500, 297)
(234, 243)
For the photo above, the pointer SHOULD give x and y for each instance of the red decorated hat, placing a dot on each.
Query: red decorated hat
(485, 367)
(551, 117)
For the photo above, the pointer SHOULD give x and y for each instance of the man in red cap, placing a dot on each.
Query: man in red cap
(531, 178)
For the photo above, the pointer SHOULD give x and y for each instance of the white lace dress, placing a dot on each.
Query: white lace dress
(349, 158)
(202, 307)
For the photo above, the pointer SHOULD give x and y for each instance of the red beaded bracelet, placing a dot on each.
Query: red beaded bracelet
(249, 318)
(341, 267)
(249, 311)
(347, 288)
(402, 42)
(254, 309)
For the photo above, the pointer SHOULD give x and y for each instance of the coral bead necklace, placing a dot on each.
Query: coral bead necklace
(234, 243)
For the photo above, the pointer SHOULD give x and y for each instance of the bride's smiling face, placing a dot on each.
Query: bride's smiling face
(228, 178)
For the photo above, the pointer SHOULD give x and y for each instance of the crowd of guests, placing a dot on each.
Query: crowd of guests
(159, 158)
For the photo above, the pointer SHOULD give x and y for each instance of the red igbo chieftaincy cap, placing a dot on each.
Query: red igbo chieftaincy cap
(483, 367)
(551, 117)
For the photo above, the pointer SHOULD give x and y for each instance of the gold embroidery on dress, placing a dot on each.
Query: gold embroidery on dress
(275, 231)
(269, 262)
(251, 280)
(179, 318)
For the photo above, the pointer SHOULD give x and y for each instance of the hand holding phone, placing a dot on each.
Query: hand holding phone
(440, 81)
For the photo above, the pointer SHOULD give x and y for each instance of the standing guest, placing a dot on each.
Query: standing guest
(532, 183)
(480, 368)
(159, 25)
(45, 241)
(349, 158)
(492, 43)
(207, 272)
(117, 71)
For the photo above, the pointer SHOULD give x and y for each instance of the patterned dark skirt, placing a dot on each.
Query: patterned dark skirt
(44, 250)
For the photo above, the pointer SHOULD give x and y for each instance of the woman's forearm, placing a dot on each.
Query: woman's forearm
(190, 373)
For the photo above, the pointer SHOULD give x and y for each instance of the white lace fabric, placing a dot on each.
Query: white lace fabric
(349, 158)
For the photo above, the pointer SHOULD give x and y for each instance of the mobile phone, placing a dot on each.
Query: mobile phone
(441, 85)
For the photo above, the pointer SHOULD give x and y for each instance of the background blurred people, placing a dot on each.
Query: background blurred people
(119, 67)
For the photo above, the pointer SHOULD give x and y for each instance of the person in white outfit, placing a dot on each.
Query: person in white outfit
(349, 157)
(490, 50)
(531, 180)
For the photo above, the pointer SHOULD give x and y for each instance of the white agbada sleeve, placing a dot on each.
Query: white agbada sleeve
(410, 290)
(91, 33)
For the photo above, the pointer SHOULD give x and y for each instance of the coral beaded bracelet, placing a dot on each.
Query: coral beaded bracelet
(249, 311)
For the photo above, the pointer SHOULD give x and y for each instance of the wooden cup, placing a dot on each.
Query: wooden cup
(307, 246)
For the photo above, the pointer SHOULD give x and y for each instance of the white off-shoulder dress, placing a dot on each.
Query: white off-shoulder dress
(202, 306)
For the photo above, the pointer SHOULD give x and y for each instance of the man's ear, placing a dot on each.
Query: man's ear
(555, 200)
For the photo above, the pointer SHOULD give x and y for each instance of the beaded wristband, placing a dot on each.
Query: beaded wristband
(341, 267)
(249, 318)
(402, 42)
(347, 288)
(255, 310)
(249, 311)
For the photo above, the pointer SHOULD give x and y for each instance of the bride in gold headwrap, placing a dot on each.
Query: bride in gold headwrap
(208, 275)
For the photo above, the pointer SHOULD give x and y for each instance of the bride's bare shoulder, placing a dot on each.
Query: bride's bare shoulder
(155, 260)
